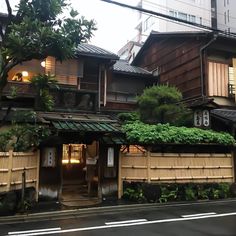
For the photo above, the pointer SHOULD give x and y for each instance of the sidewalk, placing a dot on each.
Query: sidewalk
(54, 211)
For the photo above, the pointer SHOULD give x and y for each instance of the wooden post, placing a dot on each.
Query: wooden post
(37, 176)
(10, 163)
(233, 171)
(23, 183)
(148, 165)
(120, 182)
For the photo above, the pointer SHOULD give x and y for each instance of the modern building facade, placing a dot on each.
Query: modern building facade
(226, 15)
(195, 11)
(215, 14)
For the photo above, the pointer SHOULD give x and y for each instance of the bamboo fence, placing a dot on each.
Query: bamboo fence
(13, 164)
(175, 168)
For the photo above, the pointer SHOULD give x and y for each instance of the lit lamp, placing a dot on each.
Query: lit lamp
(43, 63)
(25, 73)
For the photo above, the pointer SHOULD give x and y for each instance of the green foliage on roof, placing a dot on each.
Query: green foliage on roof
(140, 133)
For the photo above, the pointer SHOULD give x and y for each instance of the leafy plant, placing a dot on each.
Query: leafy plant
(134, 194)
(138, 132)
(202, 192)
(23, 137)
(176, 192)
(190, 193)
(224, 190)
(42, 83)
(168, 194)
(128, 116)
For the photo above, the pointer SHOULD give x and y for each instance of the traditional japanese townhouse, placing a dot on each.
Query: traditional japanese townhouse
(73, 157)
(201, 64)
(80, 159)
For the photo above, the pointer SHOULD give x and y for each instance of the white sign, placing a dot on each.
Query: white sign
(201, 118)
(110, 157)
(49, 157)
(206, 118)
(198, 118)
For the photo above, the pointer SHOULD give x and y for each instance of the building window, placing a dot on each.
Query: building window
(192, 18)
(228, 15)
(182, 16)
(224, 3)
(225, 16)
(173, 13)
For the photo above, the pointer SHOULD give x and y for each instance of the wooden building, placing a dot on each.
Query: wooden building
(125, 82)
(80, 159)
(202, 65)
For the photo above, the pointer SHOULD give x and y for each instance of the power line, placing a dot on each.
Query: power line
(165, 8)
(204, 27)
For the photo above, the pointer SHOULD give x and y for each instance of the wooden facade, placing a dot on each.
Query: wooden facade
(87, 88)
(196, 63)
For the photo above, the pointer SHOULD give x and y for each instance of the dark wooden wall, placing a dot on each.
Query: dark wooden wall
(178, 61)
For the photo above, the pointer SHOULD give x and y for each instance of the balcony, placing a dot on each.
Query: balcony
(66, 98)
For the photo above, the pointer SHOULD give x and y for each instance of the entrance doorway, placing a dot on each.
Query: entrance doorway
(79, 172)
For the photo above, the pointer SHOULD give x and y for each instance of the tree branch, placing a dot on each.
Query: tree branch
(1, 32)
(9, 9)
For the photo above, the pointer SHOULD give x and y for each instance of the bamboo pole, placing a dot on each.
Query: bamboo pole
(148, 165)
(10, 163)
(120, 182)
(37, 176)
(233, 165)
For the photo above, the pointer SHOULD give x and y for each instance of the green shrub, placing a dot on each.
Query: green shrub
(140, 133)
(168, 194)
(175, 192)
(134, 195)
(190, 193)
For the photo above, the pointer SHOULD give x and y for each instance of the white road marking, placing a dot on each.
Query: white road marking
(128, 225)
(33, 231)
(202, 214)
(125, 222)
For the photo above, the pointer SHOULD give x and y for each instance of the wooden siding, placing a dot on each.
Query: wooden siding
(13, 164)
(67, 72)
(175, 168)
(218, 79)
(178, 63)
(120, 106)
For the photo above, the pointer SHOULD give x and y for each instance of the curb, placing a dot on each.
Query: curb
(66, 214)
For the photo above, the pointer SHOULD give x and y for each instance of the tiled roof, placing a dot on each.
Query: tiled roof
(85, 126)
(124, 67)
(94, 51)
(225, 114)
(72, 122)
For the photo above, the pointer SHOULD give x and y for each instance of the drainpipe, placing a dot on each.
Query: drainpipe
(201, 62)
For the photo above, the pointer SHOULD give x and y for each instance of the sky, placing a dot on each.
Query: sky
(115, 24)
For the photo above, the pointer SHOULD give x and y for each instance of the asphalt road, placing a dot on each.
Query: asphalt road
(205, 218)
